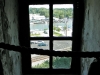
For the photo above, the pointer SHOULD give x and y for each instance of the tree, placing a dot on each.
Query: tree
(65, 29)
(56, 28)
(61, 16)
(31, 11)
(57, 12)
(46, 14)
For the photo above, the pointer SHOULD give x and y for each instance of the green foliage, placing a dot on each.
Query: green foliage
(64, 28)
(57, 34)
(63, 12)
(57, 12)
(61, 62)
(43, 65)
(35, 34)
(58, 62)
(45, 29)
(56, 28)
(41, 11)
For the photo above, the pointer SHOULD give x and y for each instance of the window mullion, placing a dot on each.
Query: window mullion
(51, 32)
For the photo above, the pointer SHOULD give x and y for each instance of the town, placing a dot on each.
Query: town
(39, 26)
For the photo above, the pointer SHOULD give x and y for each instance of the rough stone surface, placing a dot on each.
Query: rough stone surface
(91, 31)
(11, 61)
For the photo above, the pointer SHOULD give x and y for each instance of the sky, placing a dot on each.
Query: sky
(54, 6)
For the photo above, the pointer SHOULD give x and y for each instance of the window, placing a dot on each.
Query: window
(41, 27)
(55, 27)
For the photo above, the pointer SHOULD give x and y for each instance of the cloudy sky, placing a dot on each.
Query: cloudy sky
(54, 6)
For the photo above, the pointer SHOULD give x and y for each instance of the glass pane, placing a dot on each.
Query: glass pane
(62, 45)
(39, 61)
(62, 20)
(39, 20)
(40, 44)
(62, 62)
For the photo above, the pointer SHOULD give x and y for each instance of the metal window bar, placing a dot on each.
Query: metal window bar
(23, 49)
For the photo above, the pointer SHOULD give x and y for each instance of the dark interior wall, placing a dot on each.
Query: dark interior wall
(51, 74)
(91, 31)
(11, 61)
(24, 36)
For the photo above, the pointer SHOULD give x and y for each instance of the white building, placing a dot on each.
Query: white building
(54, 18)
(30, 16)
(36, 17)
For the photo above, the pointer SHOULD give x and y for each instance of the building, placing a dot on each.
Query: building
(36, 17)
(56, 19)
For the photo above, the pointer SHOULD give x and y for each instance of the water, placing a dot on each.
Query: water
(46, 26)
(39, 26)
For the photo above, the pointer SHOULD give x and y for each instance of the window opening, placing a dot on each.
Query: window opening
(39, 20)
(62, 20)
(37, 60)
(40, 26)
(62, 62)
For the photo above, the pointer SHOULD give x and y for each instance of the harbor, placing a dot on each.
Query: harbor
(65, 29)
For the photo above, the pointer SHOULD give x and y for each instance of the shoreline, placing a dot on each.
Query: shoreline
(69, 33)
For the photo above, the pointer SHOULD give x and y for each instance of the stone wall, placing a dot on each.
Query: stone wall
(11, 61)
(91, 32)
